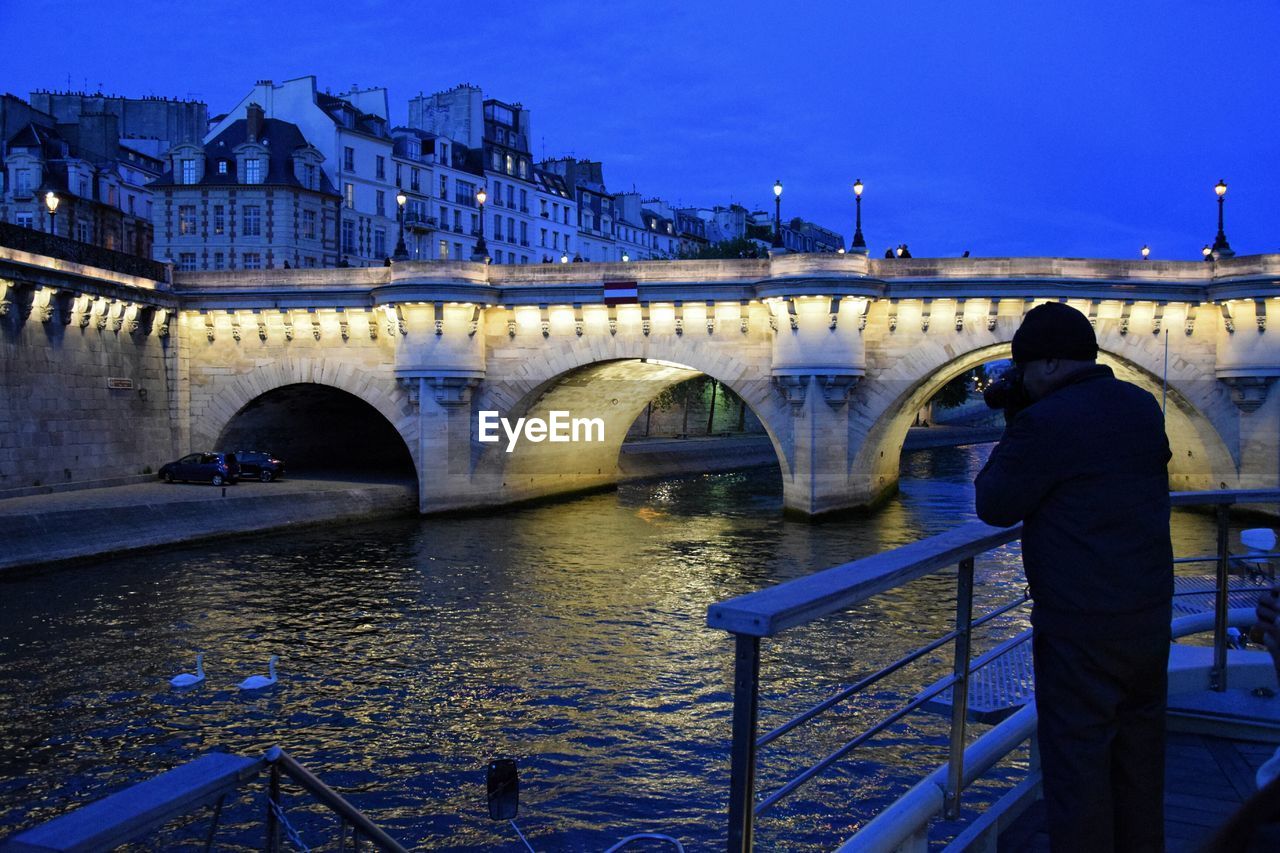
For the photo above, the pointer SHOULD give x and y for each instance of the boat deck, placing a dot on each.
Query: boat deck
(1206, 780)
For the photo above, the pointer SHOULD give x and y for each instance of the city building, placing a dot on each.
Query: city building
(255, 196)
(351, 133)
(528, 216)
(584, 180)
(99, 178)
(801, 235)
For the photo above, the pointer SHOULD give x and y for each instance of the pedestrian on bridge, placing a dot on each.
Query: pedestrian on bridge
(1083, 464)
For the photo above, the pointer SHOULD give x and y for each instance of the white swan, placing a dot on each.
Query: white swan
(187, 679)
(257, 682)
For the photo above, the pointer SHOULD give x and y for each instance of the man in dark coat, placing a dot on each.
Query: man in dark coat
(1083, 463)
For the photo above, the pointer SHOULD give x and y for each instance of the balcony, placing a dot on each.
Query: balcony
(457, 229)
(524, 242)
(524, 209)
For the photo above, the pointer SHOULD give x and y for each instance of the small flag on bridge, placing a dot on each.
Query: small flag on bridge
(620, 292)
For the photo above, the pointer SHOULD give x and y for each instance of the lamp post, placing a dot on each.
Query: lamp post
(51, 202)
(402, 252)
(626, 258)
(859, 244)
(1207, 252)
(481, 254)
(1221, 249)
(564, 257)
(777, 215)
(1146, 252)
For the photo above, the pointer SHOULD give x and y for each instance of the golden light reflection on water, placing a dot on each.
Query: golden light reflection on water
(571, 636)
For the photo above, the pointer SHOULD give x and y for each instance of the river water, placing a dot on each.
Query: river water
(570, 636)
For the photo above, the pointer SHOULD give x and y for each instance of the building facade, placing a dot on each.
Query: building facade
(255, 196)
(99, 178)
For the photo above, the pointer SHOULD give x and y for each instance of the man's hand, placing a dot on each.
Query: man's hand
(1268, 611)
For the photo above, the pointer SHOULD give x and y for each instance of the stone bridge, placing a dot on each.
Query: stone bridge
(834, 353)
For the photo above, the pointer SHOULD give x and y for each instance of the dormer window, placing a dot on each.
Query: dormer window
(222, 167)
(188, 171)
(253, 171)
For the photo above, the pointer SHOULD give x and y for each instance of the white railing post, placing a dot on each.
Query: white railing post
(960, 690)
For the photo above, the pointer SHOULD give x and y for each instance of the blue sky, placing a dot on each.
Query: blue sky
(1006, 127)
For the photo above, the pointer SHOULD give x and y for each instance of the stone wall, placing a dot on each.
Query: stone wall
(61, 425)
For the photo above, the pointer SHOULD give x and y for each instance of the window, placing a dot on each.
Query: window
(380, 168)
(222, 167)
(444, 250)
(497, 256)
(511, 165)
(524, 233)
(566, 214)
(380, 242)
(309, 224)
(348, 159)
(444, 186)
(475, 223)
(497, 227)
(82, 232)
(348, 236)
(398, 175)
(524, 259)
(252, 221)
(187, 261)
(349, 195)
(186, 219)
(219, 219)
(497, 160)
(23, 220)
(218, 261)
(457, 250)
(511, 196)
(524, 169)
(309, 177)
(22, 183)
(497, 193)
(188, 171)
(252, 261)
(457, 221)
(380, 201)
(543, 242)
(309, 262)
(131, 201)
(555, 239)
(511, 229)
(524, 201)
(413, 180)
(84, 188)
(543, 202)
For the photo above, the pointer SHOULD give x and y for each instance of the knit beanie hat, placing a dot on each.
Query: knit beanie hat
(1054, 330)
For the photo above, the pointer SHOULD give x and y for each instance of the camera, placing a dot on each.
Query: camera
(1007, 391)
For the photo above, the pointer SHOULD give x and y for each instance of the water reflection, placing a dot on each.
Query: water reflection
(571, 636)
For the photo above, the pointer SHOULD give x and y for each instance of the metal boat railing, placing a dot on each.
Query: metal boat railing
(770, 612)
(207, 781)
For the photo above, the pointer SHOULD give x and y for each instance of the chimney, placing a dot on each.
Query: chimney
(253, 125)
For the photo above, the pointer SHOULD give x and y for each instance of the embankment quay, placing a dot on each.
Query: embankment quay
(106, 375)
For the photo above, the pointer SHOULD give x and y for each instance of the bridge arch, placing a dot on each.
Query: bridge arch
(612, 380)
(212, 422)
(883, 410)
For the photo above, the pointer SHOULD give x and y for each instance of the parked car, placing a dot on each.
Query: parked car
(255, 463)
(216, 468)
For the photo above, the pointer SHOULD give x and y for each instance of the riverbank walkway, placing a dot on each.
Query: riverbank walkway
(87, 523)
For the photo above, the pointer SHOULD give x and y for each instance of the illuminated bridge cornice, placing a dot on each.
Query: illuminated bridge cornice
(1247, 277)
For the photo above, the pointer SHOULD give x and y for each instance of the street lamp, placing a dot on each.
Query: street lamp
(564, 258)
(1146, 252)
(1221, 249)
(777, 214)
(402, 252)
(859, 244)
(51, 201)
(481, 254)
(1207, 252)
(626, 258)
